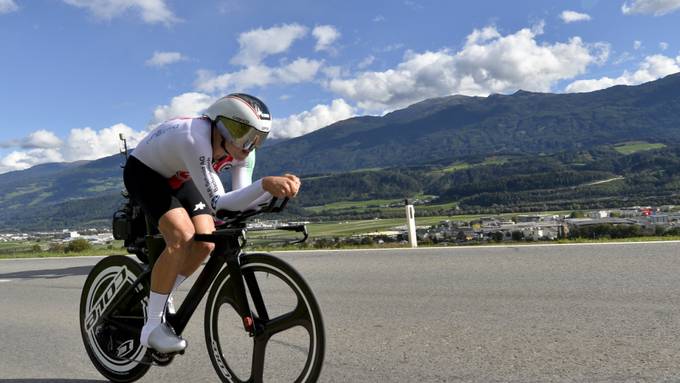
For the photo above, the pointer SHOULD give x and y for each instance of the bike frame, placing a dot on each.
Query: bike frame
(228, 245)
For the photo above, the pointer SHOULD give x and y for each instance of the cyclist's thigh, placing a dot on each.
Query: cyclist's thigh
(192, 200)
(176, 226)
(150, 189)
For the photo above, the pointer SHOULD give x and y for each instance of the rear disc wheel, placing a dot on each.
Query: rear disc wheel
(113, 345)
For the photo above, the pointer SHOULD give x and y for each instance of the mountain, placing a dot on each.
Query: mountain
(521, 151)
(456, 127)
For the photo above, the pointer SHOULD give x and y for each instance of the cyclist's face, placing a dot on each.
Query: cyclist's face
(238, 153)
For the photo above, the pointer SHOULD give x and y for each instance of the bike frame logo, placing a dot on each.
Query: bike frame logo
(105, 298)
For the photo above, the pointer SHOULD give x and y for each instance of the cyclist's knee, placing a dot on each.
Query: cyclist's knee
(179, 245)
(203, 249)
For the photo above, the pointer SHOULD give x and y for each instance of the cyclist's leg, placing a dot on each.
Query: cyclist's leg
(178, 231)
(203, 224)
(199, 211)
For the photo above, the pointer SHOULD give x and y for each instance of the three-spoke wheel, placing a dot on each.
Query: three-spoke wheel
(287, 344)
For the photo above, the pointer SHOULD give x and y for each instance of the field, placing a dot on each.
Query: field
(636, 146)
(29, 249)
(357, 206)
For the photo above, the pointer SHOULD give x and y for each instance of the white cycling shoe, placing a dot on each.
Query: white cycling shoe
(170, 305)
(164, 340)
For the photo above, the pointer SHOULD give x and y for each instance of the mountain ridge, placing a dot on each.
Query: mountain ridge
(446, 146)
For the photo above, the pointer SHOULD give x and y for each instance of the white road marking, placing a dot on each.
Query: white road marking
(5, 280)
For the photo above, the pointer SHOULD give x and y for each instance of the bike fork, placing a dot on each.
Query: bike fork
(240, 296)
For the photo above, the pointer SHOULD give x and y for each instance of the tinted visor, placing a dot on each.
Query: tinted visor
(242, 135)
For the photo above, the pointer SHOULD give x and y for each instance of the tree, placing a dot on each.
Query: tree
(77, 246)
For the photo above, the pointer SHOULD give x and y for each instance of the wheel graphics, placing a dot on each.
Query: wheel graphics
(113, 345)
(289, 340)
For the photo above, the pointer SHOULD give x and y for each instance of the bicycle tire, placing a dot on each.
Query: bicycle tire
(305, 314)
(115, 352)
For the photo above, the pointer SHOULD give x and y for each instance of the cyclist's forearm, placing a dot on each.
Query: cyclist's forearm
(244, 198)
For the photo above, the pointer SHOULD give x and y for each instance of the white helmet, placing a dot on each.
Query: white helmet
(242, 119)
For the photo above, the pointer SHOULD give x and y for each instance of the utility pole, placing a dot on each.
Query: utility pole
(411, 223)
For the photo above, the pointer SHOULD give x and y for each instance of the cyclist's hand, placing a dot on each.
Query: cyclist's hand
(281, 186)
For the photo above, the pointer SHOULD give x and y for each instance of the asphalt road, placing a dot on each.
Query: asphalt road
(565, 313)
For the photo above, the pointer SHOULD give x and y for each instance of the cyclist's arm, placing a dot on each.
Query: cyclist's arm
(197, 161)
(242, 172)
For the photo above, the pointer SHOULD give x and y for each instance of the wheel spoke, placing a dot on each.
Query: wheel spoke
(259, 349)
(297, 317)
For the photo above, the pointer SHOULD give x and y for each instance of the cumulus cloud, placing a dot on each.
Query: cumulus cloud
(89, 144)
(161, 59)
(186, 104)
(259, 43)
(663, 45)
(650, 7)
(652, 68)
(309, 121)
(325, 36)
(573, 16)
(488, 63)
(300, 70)
(151, 11)
(38, 139)
(637, 44)
(8, 6)
(44, 146)
(20, 160)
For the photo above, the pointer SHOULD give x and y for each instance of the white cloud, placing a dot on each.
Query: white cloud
(161, 59)
(650, 7)
(8, 6)
(308, 121)
(637, 44)
(44, 146)
(652, 68)
(300, 70)
(88, 144)
(42, 139)
(488, 63)
(366, 62)
(325, 36)
(39, 139)
(259, 43)
(186, 104)
(663, 45)
(573, 16)
(378, 19)
(151, 11)
(20, 160)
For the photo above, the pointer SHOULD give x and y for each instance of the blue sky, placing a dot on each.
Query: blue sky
(74, 73)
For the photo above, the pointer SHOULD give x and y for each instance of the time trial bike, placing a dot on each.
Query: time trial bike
(262, 322)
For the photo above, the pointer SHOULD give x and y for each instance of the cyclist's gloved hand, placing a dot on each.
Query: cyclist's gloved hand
(287, 185)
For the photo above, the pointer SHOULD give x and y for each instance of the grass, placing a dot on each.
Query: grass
(373, 203)
(259, 245)
(348, 228)
(32, 188)
(24, 249)
(631, 147)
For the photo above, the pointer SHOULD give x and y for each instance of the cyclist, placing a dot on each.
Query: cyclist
(172, 174)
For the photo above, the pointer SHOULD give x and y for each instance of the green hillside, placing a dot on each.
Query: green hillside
(503, 153)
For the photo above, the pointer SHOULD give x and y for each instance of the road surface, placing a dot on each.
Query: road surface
(561, 313)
